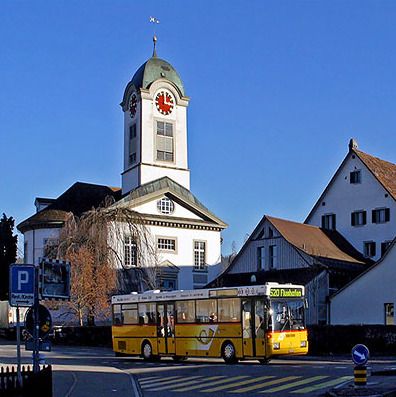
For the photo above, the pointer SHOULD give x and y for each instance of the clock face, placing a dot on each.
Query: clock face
(132, 105)
(164, 102)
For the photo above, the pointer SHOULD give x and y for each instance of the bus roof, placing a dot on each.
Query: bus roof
(269, 289)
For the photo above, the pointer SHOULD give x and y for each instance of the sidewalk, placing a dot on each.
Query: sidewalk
(79, 382)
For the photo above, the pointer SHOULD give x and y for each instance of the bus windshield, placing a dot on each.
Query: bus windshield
(287, 315)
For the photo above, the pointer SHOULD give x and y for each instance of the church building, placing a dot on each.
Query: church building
(155, 183)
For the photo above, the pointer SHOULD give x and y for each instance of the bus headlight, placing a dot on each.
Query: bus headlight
(303, 343)
(276, 346)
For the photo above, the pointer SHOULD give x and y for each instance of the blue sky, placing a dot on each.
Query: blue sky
(277, 89)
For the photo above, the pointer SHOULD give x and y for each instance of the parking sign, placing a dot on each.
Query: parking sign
(22, 281)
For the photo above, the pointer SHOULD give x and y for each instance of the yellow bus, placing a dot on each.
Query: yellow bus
(236, 323)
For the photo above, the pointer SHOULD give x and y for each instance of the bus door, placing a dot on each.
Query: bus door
(166, 328)
(253, 325)
(248, 328)
(260, 325)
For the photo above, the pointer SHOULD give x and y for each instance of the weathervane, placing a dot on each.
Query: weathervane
(155, 21)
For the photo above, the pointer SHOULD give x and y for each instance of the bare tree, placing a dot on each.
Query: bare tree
(94, 244)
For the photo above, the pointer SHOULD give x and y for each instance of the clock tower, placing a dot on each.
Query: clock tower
(155, 126)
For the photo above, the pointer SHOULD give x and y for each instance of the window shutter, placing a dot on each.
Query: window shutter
(333, 220)
(374, 249)
(364, 217)
(387, 214)
(323, 222)
(374, 216)
(353, 219)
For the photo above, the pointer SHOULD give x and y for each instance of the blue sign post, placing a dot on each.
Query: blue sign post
(360, 354)
(22, 285)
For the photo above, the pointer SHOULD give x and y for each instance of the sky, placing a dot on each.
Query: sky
(277, 90)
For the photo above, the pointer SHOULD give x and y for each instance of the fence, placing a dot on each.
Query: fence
(32, 384)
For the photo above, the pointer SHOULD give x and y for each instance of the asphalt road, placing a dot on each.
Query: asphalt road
(95, 372)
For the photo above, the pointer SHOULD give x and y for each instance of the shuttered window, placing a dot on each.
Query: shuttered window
(380, 215)
(358, 218)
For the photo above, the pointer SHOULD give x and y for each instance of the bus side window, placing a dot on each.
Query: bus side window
(117, 315)
(185, 311)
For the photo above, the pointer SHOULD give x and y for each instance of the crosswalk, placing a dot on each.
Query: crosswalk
(241, 384)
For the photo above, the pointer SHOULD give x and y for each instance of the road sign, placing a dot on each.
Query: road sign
(44, 321)
(22, 278)
(43, 345)
(360, 354)
(55, 279)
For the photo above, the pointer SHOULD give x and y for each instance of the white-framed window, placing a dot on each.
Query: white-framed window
(355, 177)
(380, 215)
(273, 256)
(369, 249)
(329, 221)
(132, 144)
(358, 218)
(165, 205)
(130, 252)
(199, 255)
(166, 244)
(389, 313)
(164, 141)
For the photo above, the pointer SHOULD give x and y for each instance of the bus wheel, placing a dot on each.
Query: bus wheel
(264, 361)
(147, 351)
(179, 358)
(228, 353)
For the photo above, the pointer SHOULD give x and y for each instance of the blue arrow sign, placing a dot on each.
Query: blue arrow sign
(22, 279)
(360, 354)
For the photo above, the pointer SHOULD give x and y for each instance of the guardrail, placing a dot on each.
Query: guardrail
(30, 384)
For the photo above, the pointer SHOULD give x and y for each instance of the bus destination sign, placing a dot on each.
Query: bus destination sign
(276, 292)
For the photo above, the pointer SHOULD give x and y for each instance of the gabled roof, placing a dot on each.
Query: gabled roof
(312, 240)
(168, 187)
(383, 171)
(79, 198)
(316, 241)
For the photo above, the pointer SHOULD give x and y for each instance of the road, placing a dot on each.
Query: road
(95, 372)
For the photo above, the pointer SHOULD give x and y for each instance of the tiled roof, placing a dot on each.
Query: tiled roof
(78, 199)
(317, 242)
(383, 170)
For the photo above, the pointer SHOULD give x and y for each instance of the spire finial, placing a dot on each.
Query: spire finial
(155, 44)
(155, 21)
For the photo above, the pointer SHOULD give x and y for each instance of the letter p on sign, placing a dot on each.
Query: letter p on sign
(23, 278)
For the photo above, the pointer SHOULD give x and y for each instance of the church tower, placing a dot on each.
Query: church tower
(155, 126)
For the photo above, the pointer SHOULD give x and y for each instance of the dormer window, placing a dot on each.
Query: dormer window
(355, 177)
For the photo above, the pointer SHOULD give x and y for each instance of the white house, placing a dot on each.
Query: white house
(283, 251)
(360, 202)
(371, 297)
(155, 183)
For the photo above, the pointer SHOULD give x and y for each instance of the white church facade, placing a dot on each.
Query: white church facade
(185, 235)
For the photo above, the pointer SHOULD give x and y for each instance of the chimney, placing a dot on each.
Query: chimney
(353, 144)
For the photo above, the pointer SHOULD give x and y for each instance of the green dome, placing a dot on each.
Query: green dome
(154, 69)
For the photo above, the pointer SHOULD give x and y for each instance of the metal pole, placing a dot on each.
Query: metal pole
(18, 331)
(36, 366)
